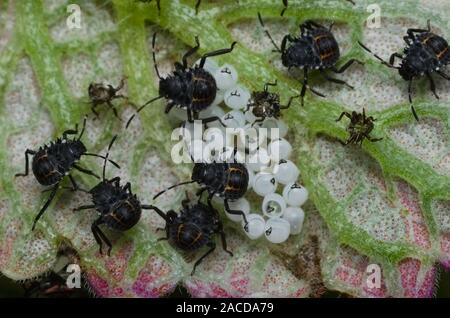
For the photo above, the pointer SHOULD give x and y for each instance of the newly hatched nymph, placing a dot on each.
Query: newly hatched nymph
(119, 209)
(359, 127)
(51, 163)
(193, 228)
(264, 104)
(425, 53)
(315, 49)
(104, 94)
(191, 88)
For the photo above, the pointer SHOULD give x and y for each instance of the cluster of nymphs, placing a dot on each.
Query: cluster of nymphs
(197, 91)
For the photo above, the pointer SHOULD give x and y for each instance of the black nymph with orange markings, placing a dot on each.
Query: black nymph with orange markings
(191, 88)
(51, 163)
(228, 180)
(118, 207)
(425, 53)
(315, 49)
(193, 228)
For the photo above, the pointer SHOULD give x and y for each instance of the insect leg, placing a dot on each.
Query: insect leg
(157, 210)
(114, 110)
(268, 33)
(190, 52)
(169, 107)
(410, 100)
(49, 200)
(411, 32)
(75, 186)
(442, 74)
(334, 80)
(432, 85)
(344, 67)
(286, 38)
(236, 212)
(372, 139)
(127, 187)
(86, 171)
(94, 111)
(212, 246)
(85, 207)
(223, 239)
(266, 86)
(70, 132)
(200, 193)
(27, 152)
(211, 119)
(197, 5)
(289, 102)
(216, 53)
(285, 3)
(393, 56)
(116, 181)
(346, 114)
(103, 236)
(95, 231)
(210, 196)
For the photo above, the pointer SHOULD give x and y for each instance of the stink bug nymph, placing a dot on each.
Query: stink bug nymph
(191, 88)
(119, 209)
(264, 104)
(359, 127)
(315, 49)
(227, 180)
(425, 53)
(193, 228)
(104, 94)
(51, 163)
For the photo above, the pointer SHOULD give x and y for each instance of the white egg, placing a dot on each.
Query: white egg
(251, 177)
(276, 128)
(236, 97)
(234, 119)
(295, 216)
(273, 205)
(226, 77)
(279, 149)
(295, 194)
(277, 230)
(264, 183)
(255, 227)
(286, 171)
(259, 160)
(249, 117)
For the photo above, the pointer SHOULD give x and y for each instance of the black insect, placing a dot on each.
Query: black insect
(51, 163)
(264, 104)
(425, 53)
(190, 88)
(158, 3)
(285, 3)
(118, 207)
(315, 49)
(359, 127)
(228, 180)
(104, 94)
(193, 228)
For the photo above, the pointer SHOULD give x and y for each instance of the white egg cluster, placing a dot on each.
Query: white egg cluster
(267, 160)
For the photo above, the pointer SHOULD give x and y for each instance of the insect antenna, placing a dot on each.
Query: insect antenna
(141, 108)
(171, 187)
(154, 55)
(285, 3)
(377, 57)
(103, 157)
(84, 127)
(266, 86)
(268, 33)
(106, 157)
